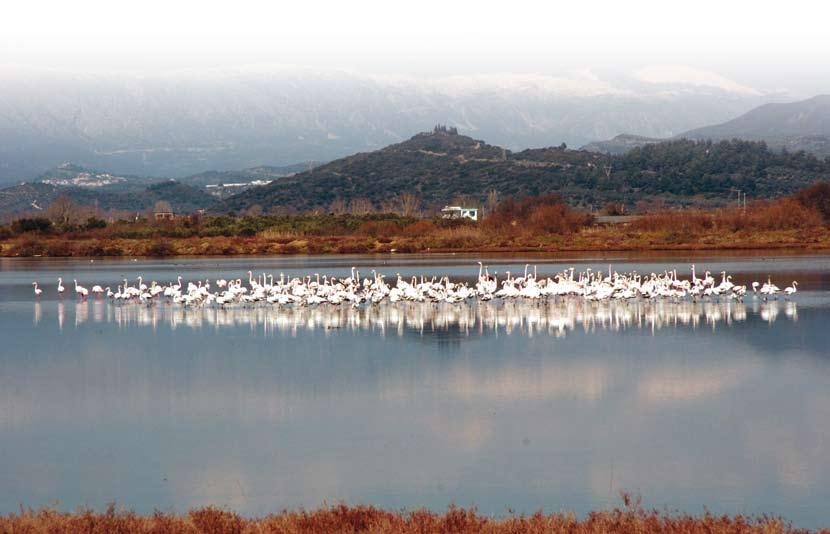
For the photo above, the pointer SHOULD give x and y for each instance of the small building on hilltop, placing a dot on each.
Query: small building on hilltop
(457, 212)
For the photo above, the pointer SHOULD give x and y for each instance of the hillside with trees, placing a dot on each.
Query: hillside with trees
(35, 197)
(802, 125)
(442, 167)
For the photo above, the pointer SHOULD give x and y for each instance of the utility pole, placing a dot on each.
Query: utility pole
(734, 190)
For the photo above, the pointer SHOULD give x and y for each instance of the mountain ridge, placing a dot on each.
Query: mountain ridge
(178, 126)
(440, 166)
(801, 125)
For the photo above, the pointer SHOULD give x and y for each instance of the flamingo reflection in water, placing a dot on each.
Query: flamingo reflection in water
(550, 317)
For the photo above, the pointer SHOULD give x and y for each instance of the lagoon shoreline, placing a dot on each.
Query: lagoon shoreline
(588, 240)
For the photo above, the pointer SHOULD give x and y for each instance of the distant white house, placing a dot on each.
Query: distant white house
(457, 212)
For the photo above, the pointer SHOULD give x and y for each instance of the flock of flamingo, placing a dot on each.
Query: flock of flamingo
(352, 290)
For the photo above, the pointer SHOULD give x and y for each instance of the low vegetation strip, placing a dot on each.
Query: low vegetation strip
(537, 223)
(353, 519)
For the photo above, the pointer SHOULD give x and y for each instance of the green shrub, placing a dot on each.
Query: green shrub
(32, 224)
(94, 223)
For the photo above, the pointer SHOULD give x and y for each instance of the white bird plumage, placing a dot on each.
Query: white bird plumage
(314, 290)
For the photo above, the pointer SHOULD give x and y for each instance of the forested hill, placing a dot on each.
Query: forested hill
(31, 197)
(441, 166)
(803, 125)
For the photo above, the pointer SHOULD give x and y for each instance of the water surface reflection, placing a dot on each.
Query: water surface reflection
(555, 318)
(502, 405)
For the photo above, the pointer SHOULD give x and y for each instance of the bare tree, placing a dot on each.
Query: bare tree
(62, 210)
(492, 201)
(389, 206)
(280, 210)
(409, 205)
(360, 206)
(162, 206)
(465, 201)
(253, 211)
(338, 206)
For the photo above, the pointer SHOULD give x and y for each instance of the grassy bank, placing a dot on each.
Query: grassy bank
(544, 223)
(351, 519)
(462, 240)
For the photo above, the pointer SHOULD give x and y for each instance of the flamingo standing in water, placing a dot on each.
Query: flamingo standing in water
(38, 291)
(353, 290)
(769, 289)
(81, 291)
(790, 291)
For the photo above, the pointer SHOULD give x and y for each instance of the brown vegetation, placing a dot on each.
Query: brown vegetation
(632, 518)
(547, 214)
(816, 197)
(785, 214)
(544, 223)
(614, 209)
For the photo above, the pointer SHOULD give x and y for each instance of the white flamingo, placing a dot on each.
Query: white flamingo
(769, 289)
(81, 291)
(353, 290)
(38, 291)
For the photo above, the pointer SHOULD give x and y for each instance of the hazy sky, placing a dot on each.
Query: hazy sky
(761, 43)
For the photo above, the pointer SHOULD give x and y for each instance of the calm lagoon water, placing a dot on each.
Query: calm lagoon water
(556, 406)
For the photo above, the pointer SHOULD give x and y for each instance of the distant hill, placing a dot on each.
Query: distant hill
(620, 144)
(223, 184)
(178, 124)
(794, 119)
(262, 173)
(34, 197)
(803, 125)
(440, 166)
(136, 193)
(72, 175)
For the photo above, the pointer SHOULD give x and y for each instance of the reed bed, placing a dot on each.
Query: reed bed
(543, 223)
(631, 518)
(786, 214)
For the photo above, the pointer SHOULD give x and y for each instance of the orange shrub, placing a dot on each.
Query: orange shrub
(458, 237)
(614, 208)
(817, 198)
(556, 219)
(542, 214)
(419, 229)
(784, 214)
(379, 229)
(690, 221)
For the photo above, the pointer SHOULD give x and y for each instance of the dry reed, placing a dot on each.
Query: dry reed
(631, 518)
